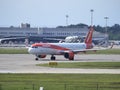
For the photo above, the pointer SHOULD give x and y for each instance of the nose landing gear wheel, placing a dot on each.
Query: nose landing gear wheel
(36, 59)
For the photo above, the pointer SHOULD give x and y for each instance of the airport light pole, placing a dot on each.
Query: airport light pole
(91, 16)
(106, 19)
(106, 32)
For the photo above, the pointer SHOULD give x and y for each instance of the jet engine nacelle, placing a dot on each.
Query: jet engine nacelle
(41, 56)
(69, 55)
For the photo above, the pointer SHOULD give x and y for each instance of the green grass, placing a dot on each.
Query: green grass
(13, 51)
(60, 81)
(24, 51)
(102, 65)
(107, 51)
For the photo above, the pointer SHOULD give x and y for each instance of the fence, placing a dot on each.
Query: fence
(59, 86)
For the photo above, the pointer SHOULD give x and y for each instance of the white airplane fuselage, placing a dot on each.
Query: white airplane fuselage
(55, 48)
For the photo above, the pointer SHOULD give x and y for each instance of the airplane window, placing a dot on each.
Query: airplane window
(34, 47)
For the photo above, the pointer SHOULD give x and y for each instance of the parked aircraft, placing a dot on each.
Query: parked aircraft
(68, 39)
(10, 39)
(68, 50)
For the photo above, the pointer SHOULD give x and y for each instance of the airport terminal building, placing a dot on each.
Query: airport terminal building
(40, 34)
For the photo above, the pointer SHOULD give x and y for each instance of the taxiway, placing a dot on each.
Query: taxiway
(25, 63)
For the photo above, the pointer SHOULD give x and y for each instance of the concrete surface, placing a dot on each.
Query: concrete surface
(25, 63)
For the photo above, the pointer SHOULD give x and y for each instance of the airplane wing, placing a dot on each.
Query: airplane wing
(94, 49)
(12, 38)
(86, 50)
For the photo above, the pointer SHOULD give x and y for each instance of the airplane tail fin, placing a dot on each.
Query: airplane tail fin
(88, 39)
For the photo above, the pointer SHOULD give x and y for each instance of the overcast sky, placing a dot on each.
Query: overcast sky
(52, 13)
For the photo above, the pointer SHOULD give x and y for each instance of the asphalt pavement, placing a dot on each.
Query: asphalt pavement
(25, 63)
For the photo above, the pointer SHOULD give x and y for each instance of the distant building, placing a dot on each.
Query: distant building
(38, 34)
(42, 32)
(26, 25)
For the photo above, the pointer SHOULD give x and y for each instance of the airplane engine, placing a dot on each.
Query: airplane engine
(69, 55)
(41, 56)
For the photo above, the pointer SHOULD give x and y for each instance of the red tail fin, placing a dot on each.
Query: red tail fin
(88, 39)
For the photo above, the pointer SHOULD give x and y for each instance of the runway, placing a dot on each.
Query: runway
(25, 63)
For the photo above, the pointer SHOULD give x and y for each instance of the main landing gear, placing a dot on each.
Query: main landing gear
(53, 57)
(36, 59)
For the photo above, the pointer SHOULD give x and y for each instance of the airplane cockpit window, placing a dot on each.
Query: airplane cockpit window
(34, 47)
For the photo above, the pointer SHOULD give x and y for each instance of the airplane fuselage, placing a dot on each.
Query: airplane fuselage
(55, 48)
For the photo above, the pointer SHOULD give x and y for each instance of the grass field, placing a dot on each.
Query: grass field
(60, 81)
(13, 51)
(107, 51)
(101, 65)
(24, 51)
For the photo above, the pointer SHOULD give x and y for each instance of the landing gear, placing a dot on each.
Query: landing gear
(53, 57)
(36, 59)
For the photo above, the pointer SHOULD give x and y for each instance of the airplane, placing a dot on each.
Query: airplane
(72, 39)
(68, 50)
(68, 39)
(10, 39)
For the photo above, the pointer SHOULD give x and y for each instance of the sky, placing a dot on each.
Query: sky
(52, 13)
